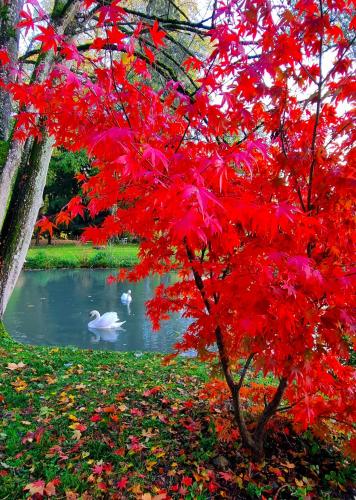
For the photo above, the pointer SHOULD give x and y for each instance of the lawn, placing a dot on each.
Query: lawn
(77, 255)
(83, 424)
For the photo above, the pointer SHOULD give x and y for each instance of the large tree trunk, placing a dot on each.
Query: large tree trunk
(21, 217)
(21, 199)
(9, 40)
(18, 155)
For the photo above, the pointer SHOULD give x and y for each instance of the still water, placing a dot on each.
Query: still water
(52, 308)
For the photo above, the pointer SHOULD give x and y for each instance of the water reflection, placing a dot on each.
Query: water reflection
(104, 335)
(52, 307)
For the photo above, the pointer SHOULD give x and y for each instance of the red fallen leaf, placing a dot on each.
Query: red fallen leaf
(102, 486)
(187, 481)
(3, 473)
(109, 409)
(95, 418)
(212, 486)
(152, 391)
(57, 450)
(33, 436)
(108, 468)
(122, 483)
(38, 434)
(227, 476)
(136, 412)
(78, 427)
(120, 395)
(97, 469)
(50, 488)
(275, 471)
(120, 452)
(36, 487)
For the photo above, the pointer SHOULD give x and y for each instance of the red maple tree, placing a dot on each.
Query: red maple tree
(243, 188)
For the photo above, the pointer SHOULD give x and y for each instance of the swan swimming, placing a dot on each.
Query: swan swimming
(106, 321)
(126, 297)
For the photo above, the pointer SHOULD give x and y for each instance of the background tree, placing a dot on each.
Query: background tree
(23, 176)
(55, 30)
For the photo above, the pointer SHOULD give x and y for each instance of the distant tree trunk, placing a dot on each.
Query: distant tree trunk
(23, 196)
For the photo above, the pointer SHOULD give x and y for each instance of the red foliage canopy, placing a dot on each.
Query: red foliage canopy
(243, 188)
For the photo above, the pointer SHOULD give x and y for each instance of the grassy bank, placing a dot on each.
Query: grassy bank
(75, 255)
(83, 424)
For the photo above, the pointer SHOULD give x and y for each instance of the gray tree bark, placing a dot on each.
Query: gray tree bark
(21, 197)
(9, 40)
(21, 216)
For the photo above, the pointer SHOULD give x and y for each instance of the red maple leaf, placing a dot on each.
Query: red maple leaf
(122, 483)
(157, 35)
(150, 55)
(26, 22)
(4, 57)
(49, 38)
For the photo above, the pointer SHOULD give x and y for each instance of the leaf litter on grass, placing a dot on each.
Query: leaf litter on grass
(82, 424)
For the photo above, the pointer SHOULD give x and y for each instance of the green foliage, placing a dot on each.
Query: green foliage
(61, 185)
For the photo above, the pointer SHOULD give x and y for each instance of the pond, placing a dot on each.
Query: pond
(52, 308)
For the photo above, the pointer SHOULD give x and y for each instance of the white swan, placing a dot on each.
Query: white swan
(106, 321)
(126, 297)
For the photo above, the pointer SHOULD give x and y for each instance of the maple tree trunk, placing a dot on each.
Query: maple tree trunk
(254, 441)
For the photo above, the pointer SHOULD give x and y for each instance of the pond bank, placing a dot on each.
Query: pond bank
(81, 256)
(84, 425)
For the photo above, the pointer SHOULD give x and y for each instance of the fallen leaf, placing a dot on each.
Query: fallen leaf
(15, 366)
(35, 487)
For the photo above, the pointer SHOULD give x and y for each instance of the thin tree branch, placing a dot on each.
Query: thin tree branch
(317, 115)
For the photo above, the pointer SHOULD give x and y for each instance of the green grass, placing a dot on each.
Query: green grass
(101, 425)
(73, 256)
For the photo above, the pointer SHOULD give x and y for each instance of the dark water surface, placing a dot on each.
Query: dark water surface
(52, 308)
